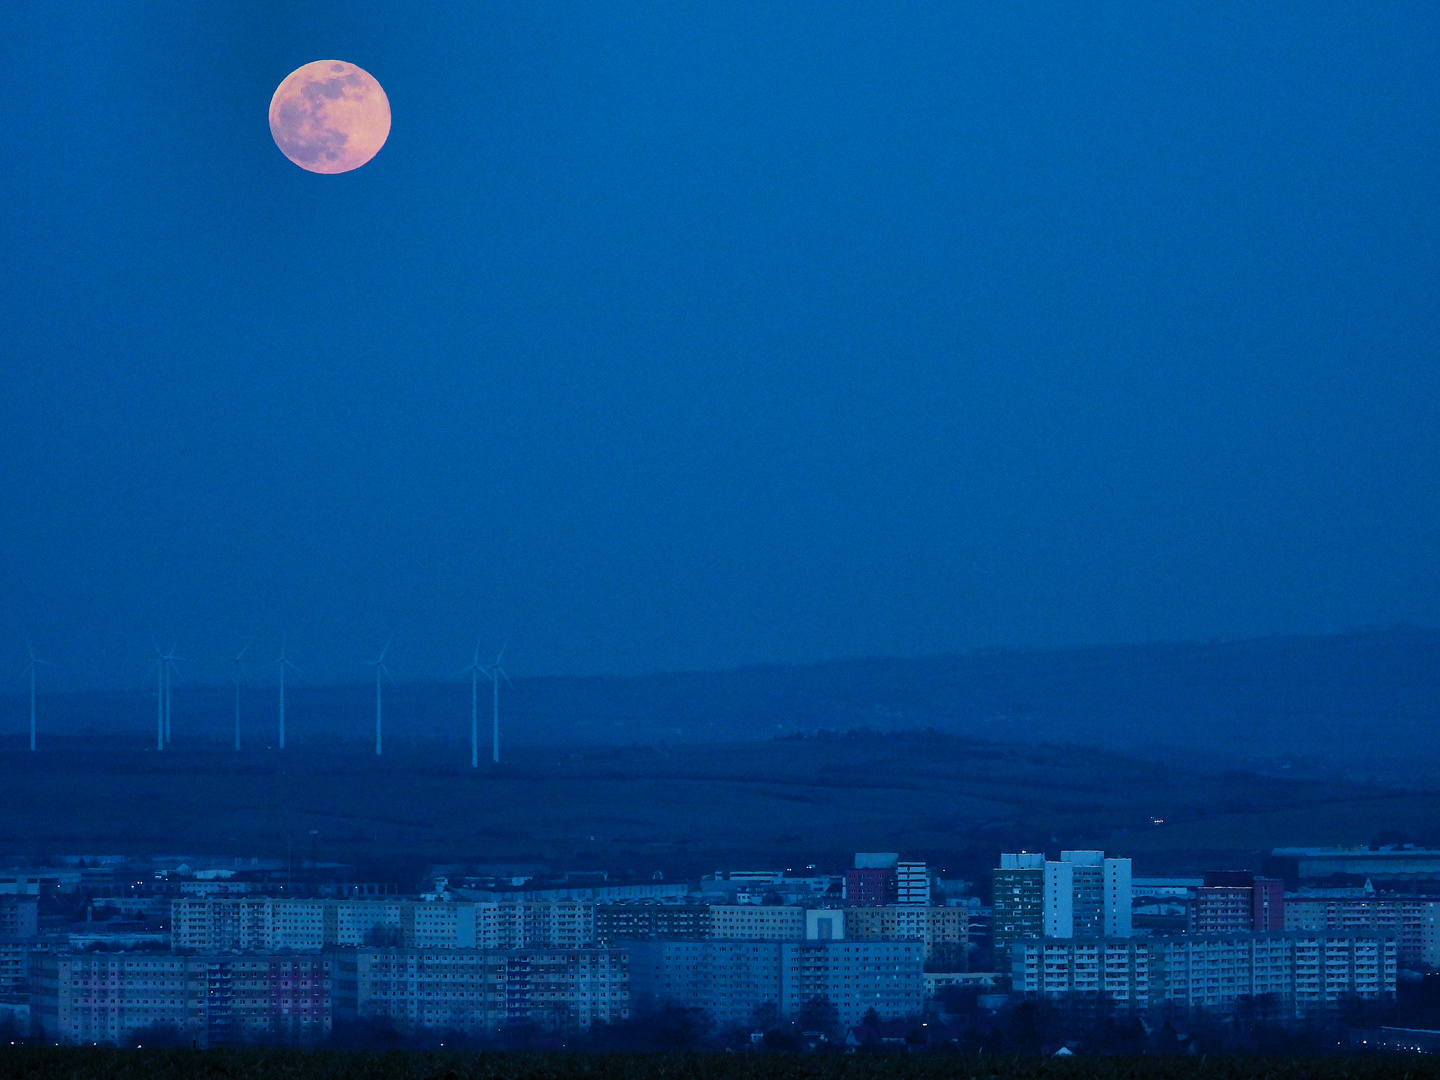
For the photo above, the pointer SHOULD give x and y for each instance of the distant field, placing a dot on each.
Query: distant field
(1357, 706)
(94, 1064)
(679, 809)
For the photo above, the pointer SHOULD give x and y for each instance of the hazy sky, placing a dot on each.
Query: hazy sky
(666, 334)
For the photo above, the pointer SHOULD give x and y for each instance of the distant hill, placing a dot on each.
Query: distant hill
(1366, 704)
(683, 809)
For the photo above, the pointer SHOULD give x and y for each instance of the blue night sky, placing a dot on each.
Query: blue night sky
(679, 335)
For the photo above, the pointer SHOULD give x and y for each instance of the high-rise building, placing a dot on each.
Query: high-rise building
(1017, 902)
(1087, 896)
(873, 881)
(1230, 902)
(912, 883)
(1081, 895)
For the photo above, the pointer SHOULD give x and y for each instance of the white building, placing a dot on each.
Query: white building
(1087, 895)
(912, 883)
(263, 924)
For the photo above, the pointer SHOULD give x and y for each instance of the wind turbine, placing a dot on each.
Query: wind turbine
(30, 670)
(380, 671)
(167, 662)
(283, 665)
(239, 661)
(476, 669)
(159, 698)
(495, 673)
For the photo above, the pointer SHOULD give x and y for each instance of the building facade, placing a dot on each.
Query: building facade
(18, 916)
(732, 979)
(1301, 973)
(1410, 919)
(1017, 902)
(478, 990)
(1087, 895)
(757, 922)
(944, 931)
(650, 922)
(912, 883)
(263, 924)
(114, 997)
(855, 976)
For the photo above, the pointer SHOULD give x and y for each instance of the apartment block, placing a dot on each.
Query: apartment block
(888, 976)
(1303, 973)
(757, 922)
(1230, 902)
(267, 924)
(482, 989)
(18, 918)
(650, 922)
(109, 997)
(730, 979)
(935, 927)
(1017, 902)
(912, 883)
(14, 969)
(1410, 919)
(1087, 895)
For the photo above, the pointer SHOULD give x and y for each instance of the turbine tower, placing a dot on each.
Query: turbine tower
(380, 671)
(283, 665)
(168, 663)
(495, 673)
(30, 671)
(476, 669)
(159, 699)
(239, 661)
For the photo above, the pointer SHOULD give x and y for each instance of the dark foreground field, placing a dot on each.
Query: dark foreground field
(95, 1064)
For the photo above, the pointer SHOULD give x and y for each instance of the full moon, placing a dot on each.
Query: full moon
(329, 116)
